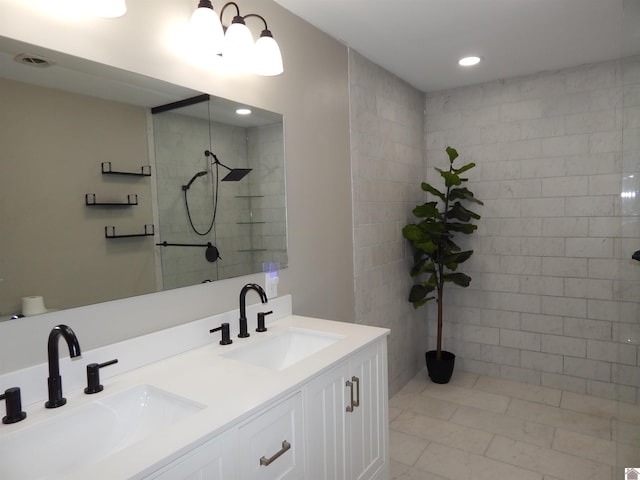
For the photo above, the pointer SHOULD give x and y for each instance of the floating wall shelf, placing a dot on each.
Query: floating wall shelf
(91, 201)
(110, 232)
(145, 171)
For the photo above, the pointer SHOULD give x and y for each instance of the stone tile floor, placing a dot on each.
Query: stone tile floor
(482, 428)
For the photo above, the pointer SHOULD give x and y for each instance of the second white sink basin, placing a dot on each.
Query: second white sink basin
(284, 349)
(79, 437)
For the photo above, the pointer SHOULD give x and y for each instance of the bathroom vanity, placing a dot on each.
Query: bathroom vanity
(307, 399)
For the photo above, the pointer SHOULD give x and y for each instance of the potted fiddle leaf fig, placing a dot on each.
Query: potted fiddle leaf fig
(437, 256)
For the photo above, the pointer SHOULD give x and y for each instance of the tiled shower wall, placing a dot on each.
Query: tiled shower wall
(387, 162)
(546, 305)
(250, 221)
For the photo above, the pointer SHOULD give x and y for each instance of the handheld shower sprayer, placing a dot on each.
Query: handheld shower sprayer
(193, 179)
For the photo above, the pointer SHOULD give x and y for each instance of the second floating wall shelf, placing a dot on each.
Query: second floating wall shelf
(91, 201)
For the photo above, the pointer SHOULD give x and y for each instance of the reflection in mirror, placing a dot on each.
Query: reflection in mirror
(220, 178)
(60, 123)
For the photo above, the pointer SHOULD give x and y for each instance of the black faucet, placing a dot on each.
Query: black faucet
(55, 380)
(243, 309)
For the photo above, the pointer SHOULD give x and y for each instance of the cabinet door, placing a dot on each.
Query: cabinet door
(213, 460)
(271, 445)
(325, 407)
(345, 440)
(367, 428)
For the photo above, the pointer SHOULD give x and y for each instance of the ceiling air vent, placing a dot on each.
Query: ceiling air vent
(33, 60)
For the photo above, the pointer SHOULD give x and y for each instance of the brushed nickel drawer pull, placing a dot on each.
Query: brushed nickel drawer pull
(350, 406)
(356, 380)
(268, 461)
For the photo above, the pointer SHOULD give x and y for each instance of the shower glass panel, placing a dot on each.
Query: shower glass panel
(626, 331)
(221, 191)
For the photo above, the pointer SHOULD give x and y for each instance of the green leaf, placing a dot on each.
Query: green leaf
(453, 154)
(428, 247)
(458, 278)
(466, 228)
(427, 210)
(459, 212)
(419, 292)
(464, 168)
(450, 178)
(463, 193)
(432, 228)
(412, 232)
(433, 191)
(458, 257)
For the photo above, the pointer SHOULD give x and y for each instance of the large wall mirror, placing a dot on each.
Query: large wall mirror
(104, 196)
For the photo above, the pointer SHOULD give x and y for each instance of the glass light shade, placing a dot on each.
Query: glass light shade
(207, 30)
(108, 8)
(267, 57)
(238, 47)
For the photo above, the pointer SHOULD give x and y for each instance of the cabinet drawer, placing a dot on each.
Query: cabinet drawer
(271, 445)
(214, 461)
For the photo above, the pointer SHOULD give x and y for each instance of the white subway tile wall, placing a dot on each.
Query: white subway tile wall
(554, 244)
(387, 166)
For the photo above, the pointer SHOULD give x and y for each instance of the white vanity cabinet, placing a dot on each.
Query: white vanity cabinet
(269, 446)
(346, 419)
(334, 428)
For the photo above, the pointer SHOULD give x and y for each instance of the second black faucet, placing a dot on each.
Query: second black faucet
(243, 305)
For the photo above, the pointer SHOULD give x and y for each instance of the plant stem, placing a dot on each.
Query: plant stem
(440, 278)
(440, 296)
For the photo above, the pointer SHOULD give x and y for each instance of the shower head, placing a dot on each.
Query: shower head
(234, 175)
(193, 179)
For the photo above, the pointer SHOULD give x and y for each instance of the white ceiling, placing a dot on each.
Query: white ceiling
(421, 40)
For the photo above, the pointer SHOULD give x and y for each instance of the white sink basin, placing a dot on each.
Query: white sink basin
(284, 349)
(55, 448)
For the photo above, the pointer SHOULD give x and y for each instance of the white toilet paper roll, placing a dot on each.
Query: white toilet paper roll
(33, 305)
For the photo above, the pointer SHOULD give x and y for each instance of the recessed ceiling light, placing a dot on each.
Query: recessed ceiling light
(243, 111)
(469, 61)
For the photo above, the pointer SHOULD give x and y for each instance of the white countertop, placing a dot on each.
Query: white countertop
(230, 390)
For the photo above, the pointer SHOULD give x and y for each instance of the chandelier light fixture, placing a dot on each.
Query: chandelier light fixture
(235, 41)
